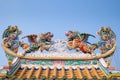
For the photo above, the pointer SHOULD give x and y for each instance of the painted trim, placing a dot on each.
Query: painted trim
(60, 57)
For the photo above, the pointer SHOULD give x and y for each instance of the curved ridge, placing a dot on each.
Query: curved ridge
(59, 57)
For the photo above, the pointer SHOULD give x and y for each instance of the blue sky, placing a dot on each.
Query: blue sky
(59, 16)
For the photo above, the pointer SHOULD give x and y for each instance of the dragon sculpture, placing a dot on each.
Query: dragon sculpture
(44, 42)
(75, 41)
(79, 41)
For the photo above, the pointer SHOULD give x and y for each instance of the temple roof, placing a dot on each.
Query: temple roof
(78, 72)
(71, 58)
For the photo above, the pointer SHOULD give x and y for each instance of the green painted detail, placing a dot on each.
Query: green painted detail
(43, 62)
(23, 61)
(51, 62)
(9, 57)
(94, 61)
(77, 62)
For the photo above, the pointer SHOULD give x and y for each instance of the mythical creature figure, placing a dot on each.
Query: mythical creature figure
(31, 38)
(75, 34)
(78, 41)
(107, 40)
(45, 39)
(43, 44)
(29, 48)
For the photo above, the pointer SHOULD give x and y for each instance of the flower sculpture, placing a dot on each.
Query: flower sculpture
(107, 39)
(11, 39)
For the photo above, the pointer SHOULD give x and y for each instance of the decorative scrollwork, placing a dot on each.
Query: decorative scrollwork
(11, 39)
(107, 39)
